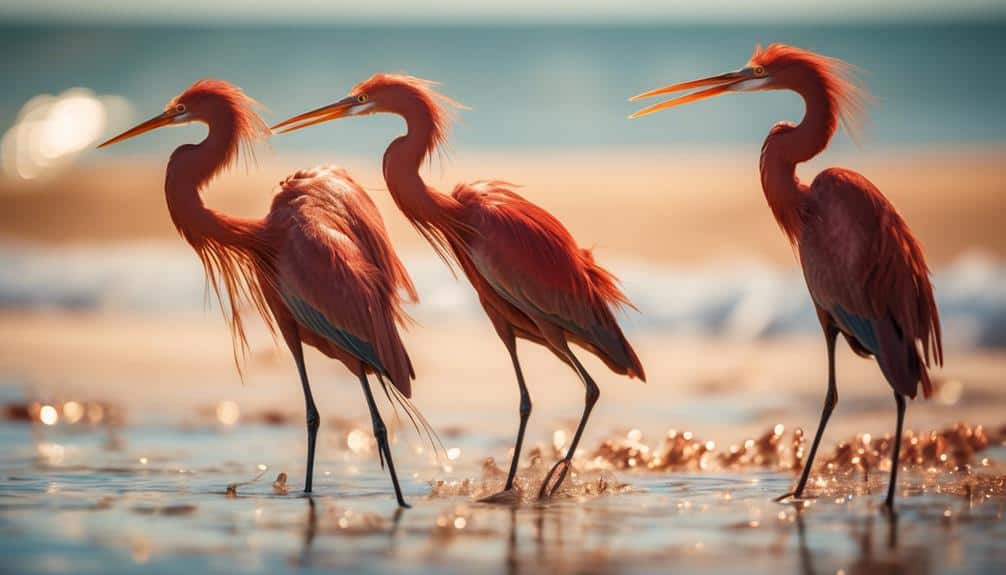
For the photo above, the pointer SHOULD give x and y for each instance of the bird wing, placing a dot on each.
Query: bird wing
(530, 259)
(864, 266)
(337, 271)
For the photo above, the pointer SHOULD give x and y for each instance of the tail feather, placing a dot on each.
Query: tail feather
(395, 359)
(616, 351)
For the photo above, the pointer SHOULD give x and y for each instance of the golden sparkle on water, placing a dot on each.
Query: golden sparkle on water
(228, 412)
(73, 412)
(48, 415)
(357, 441)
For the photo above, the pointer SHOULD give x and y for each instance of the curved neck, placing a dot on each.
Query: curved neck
(788, 145)
(402, 162)
(190, 169)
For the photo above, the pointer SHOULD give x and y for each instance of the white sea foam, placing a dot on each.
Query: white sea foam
(741, 300)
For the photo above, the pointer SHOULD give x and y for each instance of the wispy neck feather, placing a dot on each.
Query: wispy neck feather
(234, 253)
(785, 147)
(830, 94)
(434, 215)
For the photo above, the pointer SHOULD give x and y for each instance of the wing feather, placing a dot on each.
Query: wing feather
(338, 273)
(529, 259)
(866, 268)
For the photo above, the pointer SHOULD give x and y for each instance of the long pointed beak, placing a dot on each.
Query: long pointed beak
(721, 84)
(340, 109)
(157, 121)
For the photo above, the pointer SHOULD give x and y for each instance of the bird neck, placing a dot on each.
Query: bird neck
(235, 252)
(189, 171)
(788, 145)
(402, 162)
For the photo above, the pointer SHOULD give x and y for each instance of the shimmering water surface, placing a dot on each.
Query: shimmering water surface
(103, 496)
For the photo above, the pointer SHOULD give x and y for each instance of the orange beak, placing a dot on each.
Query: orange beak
(163, 119)
(721, 84)
(344, 107)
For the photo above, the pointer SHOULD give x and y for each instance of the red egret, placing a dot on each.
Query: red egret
(319, 267)
(865, 270)
(532, 278)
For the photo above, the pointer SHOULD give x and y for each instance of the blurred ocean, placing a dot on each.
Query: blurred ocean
(737, 300)
(529, 87)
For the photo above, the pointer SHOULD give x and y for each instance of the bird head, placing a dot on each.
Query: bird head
(777, 67)
(204, 101)
(382, 93)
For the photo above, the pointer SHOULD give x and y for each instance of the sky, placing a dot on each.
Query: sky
(495, 11)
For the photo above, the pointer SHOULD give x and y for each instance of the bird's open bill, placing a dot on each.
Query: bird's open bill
(344, 107)
(166, 118)
(722, 83)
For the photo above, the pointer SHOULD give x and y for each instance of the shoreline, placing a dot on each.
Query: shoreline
(177, 364)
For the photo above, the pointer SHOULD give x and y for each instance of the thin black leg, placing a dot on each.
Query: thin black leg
(830, 401)
(896, 452)
(592, 394)
(381, 434)
(525, 414)
(313, 419)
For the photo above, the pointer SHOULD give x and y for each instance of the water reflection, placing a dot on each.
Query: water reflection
(719, 521)
(870, 556)
(310, 530)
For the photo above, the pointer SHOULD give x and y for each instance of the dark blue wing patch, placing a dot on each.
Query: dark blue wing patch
(860, 327)
(313, 319)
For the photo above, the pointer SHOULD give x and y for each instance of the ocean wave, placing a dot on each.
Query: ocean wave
(739, 300)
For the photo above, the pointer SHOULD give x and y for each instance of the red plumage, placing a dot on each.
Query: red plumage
(532, 279)
(319, 267)
(334, 254)
(857, 253)
(525, 265)
(534, 268)
(865, 270)
(856, 250)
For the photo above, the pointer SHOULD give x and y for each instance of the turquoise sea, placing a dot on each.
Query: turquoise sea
(528, 87)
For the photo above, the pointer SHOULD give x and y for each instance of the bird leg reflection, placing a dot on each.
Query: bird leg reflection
(512, 563)
(806, 558)
(310, 530)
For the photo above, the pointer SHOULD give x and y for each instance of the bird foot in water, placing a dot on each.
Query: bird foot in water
(792, 497)
(888, 509)
(505, 497)
(545, 493)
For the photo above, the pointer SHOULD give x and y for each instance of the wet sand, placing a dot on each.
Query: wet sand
(145, 488)
(155, 366)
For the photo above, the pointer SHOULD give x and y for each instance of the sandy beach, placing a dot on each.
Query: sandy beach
(659, 206)
(146, 489)
(170, 367)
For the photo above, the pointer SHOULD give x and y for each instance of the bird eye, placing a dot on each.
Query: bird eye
(180, 108)
(362, 98)
(759, 71)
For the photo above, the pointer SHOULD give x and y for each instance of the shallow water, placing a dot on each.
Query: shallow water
(113, 498)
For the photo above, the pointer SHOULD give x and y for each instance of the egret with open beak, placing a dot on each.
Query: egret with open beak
(749, 78)
(352, 105)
